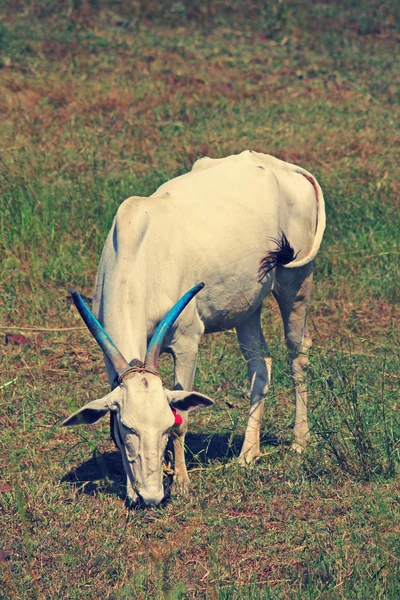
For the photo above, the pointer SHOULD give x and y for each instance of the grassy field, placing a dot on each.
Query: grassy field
(101, 100)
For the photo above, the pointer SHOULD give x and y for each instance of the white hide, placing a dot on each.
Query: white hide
(214, 224)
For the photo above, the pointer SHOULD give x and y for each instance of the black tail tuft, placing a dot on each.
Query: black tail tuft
(283, 255)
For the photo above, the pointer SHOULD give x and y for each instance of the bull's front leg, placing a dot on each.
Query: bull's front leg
(259, 364)
(185, 359)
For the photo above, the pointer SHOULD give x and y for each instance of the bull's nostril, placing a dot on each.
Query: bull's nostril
(137, 504)
(130, 503)
(149, 500)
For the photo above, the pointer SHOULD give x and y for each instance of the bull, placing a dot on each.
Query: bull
(245, 225)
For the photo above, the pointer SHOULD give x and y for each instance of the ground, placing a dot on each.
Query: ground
(103, 100)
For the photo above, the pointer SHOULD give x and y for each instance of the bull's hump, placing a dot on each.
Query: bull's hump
(131, 207)
(134, 218)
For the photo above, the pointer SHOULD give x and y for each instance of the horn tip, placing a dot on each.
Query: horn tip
(201, 285)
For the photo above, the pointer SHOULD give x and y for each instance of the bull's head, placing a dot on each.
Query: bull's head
(143, 411)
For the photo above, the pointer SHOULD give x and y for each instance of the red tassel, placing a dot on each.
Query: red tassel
(178, 418)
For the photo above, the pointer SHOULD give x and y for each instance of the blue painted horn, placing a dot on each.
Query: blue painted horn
(155, 345)
(100, 335)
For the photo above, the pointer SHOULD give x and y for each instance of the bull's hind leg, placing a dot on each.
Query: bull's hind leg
(293, 292)
(256, 353)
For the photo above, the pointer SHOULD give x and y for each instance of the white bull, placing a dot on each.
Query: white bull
(244, 225)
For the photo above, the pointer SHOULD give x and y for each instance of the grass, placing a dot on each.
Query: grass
(100, 100)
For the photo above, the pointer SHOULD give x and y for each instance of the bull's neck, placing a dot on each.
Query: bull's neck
(128, 332)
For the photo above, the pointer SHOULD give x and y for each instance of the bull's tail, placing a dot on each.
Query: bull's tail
(321, 220)
(284, 254)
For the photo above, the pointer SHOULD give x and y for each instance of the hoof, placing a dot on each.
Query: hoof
(182, 486)
(244, 460)
(299, 447)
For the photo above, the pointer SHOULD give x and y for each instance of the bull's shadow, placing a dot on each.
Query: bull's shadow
(105, 472)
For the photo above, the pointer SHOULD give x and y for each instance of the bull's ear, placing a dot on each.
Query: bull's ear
(181, 400)
(95, 410)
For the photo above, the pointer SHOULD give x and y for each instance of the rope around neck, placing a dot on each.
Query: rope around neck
(139, 369)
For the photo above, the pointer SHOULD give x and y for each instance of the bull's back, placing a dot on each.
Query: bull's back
(213, 224)
(250, 193)
(229, 209)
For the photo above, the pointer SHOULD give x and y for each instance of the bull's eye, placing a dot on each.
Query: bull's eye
(130, 441)
(127, 430)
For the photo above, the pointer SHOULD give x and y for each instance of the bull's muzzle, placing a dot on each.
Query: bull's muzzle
(146, 500)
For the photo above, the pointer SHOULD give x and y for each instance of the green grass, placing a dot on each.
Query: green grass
(102, 100)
